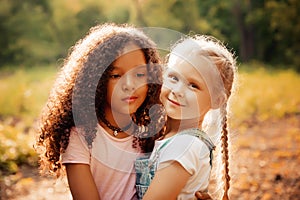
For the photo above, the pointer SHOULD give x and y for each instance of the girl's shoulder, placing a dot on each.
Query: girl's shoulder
(198, 133)
(184, 148)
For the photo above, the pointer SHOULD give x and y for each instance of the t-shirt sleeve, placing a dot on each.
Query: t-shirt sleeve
(77, 150)
(188, 150)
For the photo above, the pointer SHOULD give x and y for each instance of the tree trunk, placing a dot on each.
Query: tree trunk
(246, 31)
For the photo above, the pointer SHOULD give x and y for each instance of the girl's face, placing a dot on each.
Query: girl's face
(184, 92)
(127, 86)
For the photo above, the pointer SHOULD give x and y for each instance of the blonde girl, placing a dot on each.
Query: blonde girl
(198, 81)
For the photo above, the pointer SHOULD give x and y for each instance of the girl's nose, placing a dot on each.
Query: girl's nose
(128, 83)
(178, 90)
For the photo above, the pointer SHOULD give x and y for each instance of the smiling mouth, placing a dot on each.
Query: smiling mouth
(175, 102)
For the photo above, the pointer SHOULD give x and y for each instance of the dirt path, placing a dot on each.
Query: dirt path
(264, 166)
(29, 185)
(267, 161)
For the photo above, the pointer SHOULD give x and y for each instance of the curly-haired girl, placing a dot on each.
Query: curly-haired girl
(97, 110)
(199, 80)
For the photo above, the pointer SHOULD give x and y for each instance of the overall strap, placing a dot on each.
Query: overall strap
(202, 136)
(164, 144)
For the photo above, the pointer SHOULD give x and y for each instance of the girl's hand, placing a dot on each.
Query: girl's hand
(202, 195)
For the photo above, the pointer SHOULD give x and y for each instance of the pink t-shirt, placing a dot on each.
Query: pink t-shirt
(111, 161)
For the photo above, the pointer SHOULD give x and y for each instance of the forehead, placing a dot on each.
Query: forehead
(191, 66)
(132, 56)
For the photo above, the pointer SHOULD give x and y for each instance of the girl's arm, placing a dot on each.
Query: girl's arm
(167, 182)
(81, 182)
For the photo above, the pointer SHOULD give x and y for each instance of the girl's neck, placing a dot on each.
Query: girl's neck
(118, 120)
(175, 126)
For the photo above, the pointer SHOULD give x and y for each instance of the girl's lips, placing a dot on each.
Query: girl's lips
(129, 99)
(175, 102)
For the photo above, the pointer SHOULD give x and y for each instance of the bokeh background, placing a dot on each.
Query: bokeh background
(36, 35)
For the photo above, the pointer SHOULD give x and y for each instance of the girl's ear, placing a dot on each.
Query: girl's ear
(219, 101)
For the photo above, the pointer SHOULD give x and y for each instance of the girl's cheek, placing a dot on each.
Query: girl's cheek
(162, 93)
(168, 85)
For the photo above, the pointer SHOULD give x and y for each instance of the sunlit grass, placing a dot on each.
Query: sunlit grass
(24, 91)
(266, 94)
(23, 94)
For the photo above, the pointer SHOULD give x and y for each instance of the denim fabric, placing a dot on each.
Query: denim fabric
(144, 175)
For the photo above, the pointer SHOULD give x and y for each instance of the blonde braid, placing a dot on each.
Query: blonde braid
(225, 154)
(226, 66)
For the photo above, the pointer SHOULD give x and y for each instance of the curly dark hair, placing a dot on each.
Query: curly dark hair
(79, 92)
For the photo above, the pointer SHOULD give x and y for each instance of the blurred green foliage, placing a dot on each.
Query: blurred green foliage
(23, 91)
(41, 31)
(16, 146)
(23, 94)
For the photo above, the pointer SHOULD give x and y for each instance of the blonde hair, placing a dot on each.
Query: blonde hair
(226, 64)
(215, 122)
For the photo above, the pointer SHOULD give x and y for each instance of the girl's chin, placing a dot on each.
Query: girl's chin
(126, 111)
(174, 116)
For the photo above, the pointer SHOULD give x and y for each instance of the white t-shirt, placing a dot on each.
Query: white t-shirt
(194, 157)
(111, 161)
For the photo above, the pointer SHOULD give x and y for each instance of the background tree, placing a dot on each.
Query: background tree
(285, 27)
(41, 31)
(22, 37)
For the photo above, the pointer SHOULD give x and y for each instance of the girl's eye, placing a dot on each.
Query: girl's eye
(140, 74)
(115, 76)
(194, 86)
(173, 78)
